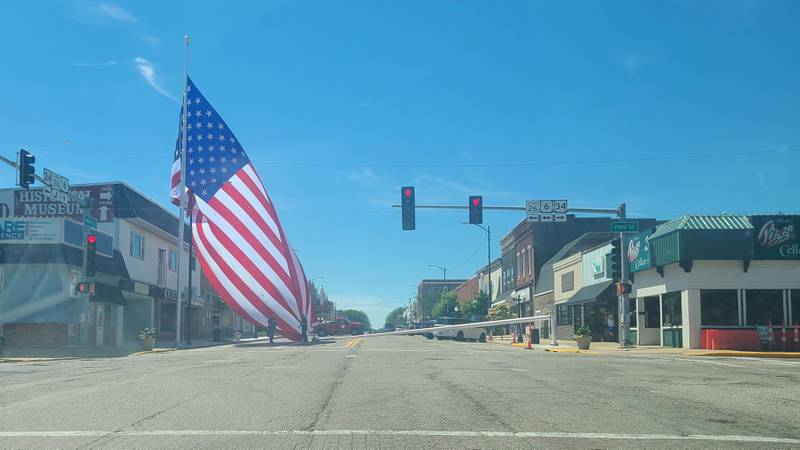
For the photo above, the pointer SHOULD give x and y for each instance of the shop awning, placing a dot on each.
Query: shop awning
(106, 293)
(588, 294)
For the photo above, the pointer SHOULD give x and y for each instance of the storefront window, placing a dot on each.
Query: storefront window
(719, 307)
(671, 309)
(764, 305)
(632, 312)
(652, 318)
(564, 314)
(795, 306)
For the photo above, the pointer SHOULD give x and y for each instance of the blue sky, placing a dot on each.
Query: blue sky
(339, 103)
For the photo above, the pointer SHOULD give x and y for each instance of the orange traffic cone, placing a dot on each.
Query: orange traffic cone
(771, 335)
(530, 337)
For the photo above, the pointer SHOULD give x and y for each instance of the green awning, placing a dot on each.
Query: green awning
(588, 294)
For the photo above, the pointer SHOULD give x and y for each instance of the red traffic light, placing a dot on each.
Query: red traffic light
(476, 201)
(407, 192)
(91, 239)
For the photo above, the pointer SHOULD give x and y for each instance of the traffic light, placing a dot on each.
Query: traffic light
(91, 254)
(475, 209)
(85, 287)
(615, 259)
(25, 169)
(408, 203)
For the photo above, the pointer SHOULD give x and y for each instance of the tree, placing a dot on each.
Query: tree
(500, 312)
(446, 306)
(356, 315)
(426, 304)
(397, 316)
(475, 309)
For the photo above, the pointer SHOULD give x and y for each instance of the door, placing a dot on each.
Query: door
(649, 322)
(672, 319)
(100, 319)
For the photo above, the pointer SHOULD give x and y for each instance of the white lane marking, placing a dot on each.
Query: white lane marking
(427, 433)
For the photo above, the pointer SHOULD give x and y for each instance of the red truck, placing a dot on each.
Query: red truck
(338, 327)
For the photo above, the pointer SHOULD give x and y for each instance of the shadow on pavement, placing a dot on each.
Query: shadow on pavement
(281, 344)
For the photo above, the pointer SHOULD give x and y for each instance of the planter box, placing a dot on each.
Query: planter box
(583, 342)
(147, 344)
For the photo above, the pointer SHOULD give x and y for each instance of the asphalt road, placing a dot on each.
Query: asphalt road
(399, 392)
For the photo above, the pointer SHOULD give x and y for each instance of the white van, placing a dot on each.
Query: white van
(463, 334)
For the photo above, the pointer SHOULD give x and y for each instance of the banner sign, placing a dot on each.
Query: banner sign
(30, 231)
(776, 237)
(639, 252)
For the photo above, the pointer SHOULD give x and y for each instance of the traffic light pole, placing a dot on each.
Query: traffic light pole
(623, 298)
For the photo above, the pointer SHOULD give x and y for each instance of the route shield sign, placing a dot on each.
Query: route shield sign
(546, 210)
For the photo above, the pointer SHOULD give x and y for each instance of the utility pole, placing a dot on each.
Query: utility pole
(442, 268)
(623, 270)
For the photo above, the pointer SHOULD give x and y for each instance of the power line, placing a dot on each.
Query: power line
(168, 155)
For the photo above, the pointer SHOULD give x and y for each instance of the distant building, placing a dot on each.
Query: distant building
(467, 290)
(429, 291)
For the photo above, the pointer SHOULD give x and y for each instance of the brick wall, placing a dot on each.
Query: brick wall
(30, 335)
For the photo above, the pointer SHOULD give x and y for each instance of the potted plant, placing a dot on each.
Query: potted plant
(147, 338)
(583, 337)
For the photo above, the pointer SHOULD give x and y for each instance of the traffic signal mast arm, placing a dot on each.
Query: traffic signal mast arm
(516, 208)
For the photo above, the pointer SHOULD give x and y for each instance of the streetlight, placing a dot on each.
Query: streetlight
(518, 300)
(488, 230)
(442, 268)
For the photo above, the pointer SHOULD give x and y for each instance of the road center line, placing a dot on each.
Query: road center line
(423, 433)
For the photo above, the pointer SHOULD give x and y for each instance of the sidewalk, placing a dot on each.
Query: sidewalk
(128, 349)
(613, 348)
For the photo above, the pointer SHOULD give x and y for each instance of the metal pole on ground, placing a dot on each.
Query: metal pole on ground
(182, 185)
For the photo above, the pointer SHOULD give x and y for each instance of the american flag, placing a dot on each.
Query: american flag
(239, 240)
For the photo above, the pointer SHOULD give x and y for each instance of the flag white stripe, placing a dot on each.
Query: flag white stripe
(248, 168)
(227, 284)
(242, 187)
(229, 229)
(233, 234)
(247, 279)
(302, 283)
(248, 221)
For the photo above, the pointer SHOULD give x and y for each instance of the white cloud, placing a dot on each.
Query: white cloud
(148, 72)
(94, 64)
(100, 11)
(152, 41)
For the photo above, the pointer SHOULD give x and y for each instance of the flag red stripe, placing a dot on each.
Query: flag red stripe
(251, 184)
(240, 285)
(250, 266)
(247, 208)
(248, 236)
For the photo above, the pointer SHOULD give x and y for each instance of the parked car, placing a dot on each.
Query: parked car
(340, 326)
(389, 327)
(427, 324)
(463, 334)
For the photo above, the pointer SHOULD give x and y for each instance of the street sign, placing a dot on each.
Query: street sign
(56, 187)
(625, 227)
(546, 210)
(90, 222)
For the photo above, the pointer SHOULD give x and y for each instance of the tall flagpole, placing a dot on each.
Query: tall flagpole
(181, 214)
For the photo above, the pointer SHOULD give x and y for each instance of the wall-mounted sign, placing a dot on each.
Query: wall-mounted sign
(639, 252)
(776, 237)
(38, 203)
(30, 231)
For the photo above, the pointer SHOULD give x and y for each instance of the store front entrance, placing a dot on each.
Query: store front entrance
(649, 321)
(672, 320)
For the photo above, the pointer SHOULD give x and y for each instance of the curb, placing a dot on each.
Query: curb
(24, 360)
(735, 353)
